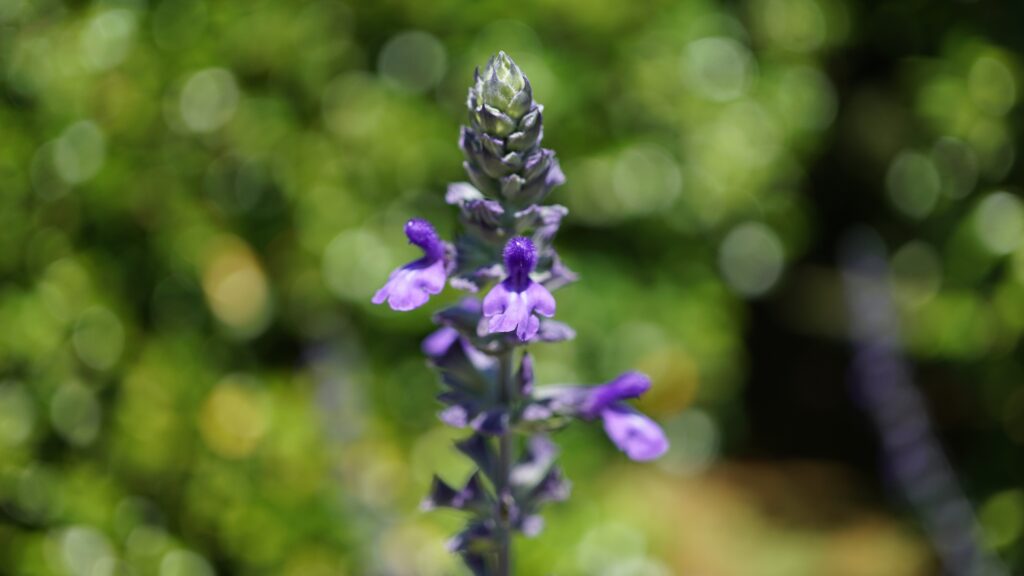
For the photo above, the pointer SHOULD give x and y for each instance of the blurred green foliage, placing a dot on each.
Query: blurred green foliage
(198, 198)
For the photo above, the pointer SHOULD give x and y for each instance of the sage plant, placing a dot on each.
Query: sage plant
(480, 349)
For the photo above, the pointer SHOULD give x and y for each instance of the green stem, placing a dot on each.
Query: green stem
(506, 394)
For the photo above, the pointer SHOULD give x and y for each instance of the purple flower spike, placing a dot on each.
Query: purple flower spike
(626, 386)
(511, 305)
(410, 286)
(635, 434)
(439, 341)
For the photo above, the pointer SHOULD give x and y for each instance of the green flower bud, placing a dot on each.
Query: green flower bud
(502, 87)
(502, 141)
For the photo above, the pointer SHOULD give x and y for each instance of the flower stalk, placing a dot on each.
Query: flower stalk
(480, 349)
(505, 456)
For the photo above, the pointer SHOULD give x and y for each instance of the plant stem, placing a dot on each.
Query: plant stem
(506, 393)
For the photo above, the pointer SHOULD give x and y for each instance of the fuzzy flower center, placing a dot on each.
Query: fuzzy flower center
(520, 260)
(422, 234)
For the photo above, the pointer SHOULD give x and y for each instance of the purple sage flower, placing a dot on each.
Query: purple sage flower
(410, 286)
(511, 305)
(632, 432)
(635, 434)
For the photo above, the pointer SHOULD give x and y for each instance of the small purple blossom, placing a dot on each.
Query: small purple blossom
(632, 432)
(511, 305)
(410, 286)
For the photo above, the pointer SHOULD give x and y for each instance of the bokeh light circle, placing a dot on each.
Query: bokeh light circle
(751, 259)
(999, 222)
(208, 100)
(414, 60)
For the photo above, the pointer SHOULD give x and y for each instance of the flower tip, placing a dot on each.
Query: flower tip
(631, 384)
(648, 453)
(505, 62)
(420, 232)
(520, 255)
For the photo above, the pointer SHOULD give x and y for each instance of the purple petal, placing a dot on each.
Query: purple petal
(624, 387)
(635, 434)
(526, 331)
(544, 218)
(559, 274)
(555, 175)
(496, 300)
(439, 341)
(515, 317)
(525, 376)
(507, 313)
(410, 286)
(532, 525)
(537, 412)
(454, 416)
(554, 331)
(510, 310)
(562, 400)
(541, 299)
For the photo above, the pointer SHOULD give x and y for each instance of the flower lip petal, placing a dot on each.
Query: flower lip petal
(496, 301)
(528, 329)
(633, 433)
(514, 311)
(412, 285)
(541, 300)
